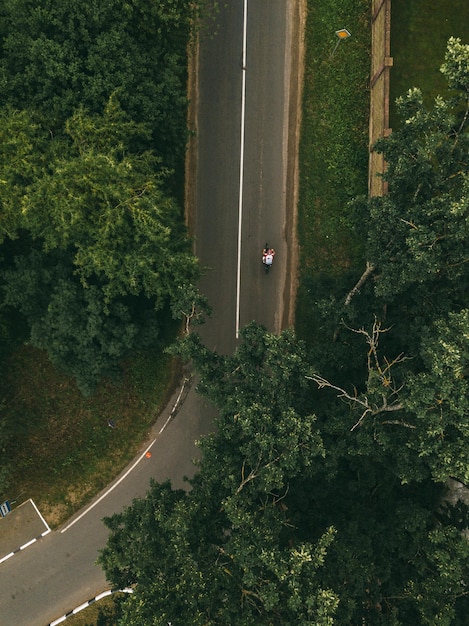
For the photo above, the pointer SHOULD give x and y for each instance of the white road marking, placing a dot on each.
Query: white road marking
(40, 516)
(87, 604)
(106, 493)
(241, 166)
(7, 556)
(31, 541)
(176, 404)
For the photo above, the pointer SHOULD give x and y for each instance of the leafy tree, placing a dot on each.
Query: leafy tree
(55, 57)
(418, 231)
(96, 246)
(226, 552)
(84, 335)
(109, 205)
(369, 469)
(438, 395)
(24, 148)
(287, 520)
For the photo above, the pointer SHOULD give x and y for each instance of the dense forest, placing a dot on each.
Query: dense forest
(322, 497)
(93, 132)
(94, 254)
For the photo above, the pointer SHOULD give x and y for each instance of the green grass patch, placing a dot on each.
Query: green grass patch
(90, 615)
(419, 32)
(333, 147)
(61, 449)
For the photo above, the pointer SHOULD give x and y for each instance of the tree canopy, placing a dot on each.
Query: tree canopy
(228, 552)
(418, 231)
(93, 247)
(322, 495)
(95, 241)
(58, 56)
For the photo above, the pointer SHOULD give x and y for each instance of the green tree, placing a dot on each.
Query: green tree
(226, 552)
(24, 150)
(288, 520)
(108, 204)
(57, 56)
(96, 245)
(419, 230)
(439, 398)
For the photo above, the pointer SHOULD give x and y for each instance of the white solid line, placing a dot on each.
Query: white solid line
(173, 410)
(37, 511)
(85, 605)
(241, 166)
(106, 493)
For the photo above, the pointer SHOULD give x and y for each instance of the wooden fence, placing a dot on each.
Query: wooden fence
(381, 63)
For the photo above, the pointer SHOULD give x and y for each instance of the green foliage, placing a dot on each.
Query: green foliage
(83, 335)
(23, 154)
(290, 519)
(418, 237)
(396, 429)
(109, 204)
(350, 479)
(109, 246)
(93, 123)
(418, 231)
(226, 552)
(440, 599)
(56, 57)
(438, 396)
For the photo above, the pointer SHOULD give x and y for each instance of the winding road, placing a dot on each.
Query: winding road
(241, 197)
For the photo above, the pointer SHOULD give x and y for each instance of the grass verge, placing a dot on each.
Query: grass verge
(419, 33)
(62, 449)
(333, 148)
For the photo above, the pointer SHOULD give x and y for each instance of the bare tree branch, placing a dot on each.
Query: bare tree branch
(370, 268)
(400, 423)
(379, 369)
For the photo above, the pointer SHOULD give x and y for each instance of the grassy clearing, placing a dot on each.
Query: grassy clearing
(419, 32)
(333, 149)
(62, 450)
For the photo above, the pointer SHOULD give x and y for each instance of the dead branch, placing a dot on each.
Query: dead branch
(189, 317)
(399, 423)
(380, 367)
(370, 268)
(252, 474)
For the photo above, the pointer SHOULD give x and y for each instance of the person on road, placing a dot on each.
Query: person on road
(268, 256)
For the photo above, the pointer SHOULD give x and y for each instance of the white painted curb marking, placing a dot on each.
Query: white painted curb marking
(88, 603)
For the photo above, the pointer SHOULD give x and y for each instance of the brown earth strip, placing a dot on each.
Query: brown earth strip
(298, 24)
(381, 63)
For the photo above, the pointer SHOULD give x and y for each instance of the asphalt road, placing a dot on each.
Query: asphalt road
(264, 202)
(58, 573)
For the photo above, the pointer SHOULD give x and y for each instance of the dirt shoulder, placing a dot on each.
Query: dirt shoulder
(294, 87)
